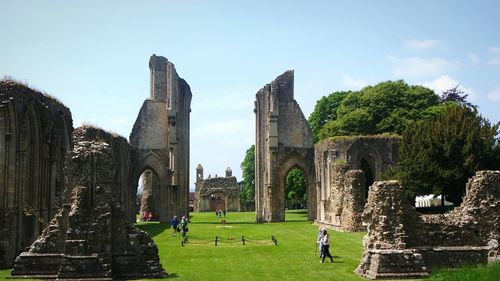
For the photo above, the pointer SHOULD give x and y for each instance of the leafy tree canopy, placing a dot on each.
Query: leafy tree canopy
(295, 188)
(325, 110)
(439, 155)
(386, 107)
(247, 194)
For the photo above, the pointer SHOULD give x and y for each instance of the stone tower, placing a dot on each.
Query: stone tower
(283, 141)
(160, 138)
(229, 172)
(199, 173)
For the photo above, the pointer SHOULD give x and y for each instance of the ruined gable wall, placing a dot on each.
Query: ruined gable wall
(283, 141)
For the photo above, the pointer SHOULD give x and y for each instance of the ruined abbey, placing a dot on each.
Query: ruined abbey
(68, 196)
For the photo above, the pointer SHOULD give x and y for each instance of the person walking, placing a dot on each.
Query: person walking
(319, 242)
(326, 246)
(175, 226)
(184, 226)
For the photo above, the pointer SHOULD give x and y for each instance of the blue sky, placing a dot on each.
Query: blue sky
(93, 56)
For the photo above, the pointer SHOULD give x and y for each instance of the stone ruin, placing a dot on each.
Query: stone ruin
(400, 243)
(345, 168)
(216, 193)
(160, 142)
(35, 135)
(91, 237)
(283, 141)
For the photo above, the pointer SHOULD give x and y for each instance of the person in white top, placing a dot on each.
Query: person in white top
(326, 246)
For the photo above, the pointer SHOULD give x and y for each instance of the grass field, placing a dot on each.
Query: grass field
(294, 258)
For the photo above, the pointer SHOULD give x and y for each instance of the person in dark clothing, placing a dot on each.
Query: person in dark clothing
(326, 246)
(175, 226)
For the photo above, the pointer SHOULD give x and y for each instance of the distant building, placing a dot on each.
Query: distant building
(216, 193)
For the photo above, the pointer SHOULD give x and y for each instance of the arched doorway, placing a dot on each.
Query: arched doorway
(158, 178)
(367, 167)
(295, 189)
(149, 193)
(217, 201)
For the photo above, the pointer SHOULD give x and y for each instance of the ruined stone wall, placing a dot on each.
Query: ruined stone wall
(160, 139)
(91, 238)
(343, 207)
(341, 182)
(402, 244)
(283, 141)
(124, 186)
(35, 135)
(205, 188)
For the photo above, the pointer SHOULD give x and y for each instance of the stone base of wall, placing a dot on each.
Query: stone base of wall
(392, 264)
(418, 262)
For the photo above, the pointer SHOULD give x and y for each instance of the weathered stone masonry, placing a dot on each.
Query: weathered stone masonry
(283, 141)
(345, 168)
(402, 244)
(35, 135)
(91, 238)
(216, 193)
(160, 138)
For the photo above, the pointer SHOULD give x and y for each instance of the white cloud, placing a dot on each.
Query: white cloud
(352, 83)
(445, 82)
(421, 67)
(494, 95)
(494, 49)
(494, 61)
(421, 44)
(474, 59)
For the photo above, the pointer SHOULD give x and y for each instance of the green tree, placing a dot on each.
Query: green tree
(295, 188)
(438, 156)
(324, 111)
(388, 107)
(247, 194)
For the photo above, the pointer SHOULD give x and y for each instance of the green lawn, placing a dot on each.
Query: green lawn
(294, 258)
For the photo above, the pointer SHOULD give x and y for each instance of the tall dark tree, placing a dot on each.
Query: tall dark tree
(247, 194)
(438, 156)
(295, 188)
(456, 95)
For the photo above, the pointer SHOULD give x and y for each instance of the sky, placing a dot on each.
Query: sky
(93, 56)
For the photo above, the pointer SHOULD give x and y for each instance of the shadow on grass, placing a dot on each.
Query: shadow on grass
(172, 275)
(153, 228)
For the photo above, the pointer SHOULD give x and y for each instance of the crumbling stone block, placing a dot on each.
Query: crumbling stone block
(91, 238)
(400, 243)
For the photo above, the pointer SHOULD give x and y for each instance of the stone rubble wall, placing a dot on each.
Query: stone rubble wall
(344, 207)
(91, 238)
(400, 243)
(341, 182)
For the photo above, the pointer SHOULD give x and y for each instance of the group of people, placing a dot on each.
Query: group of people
(147, 216)
(324, 245)
(179, 226)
